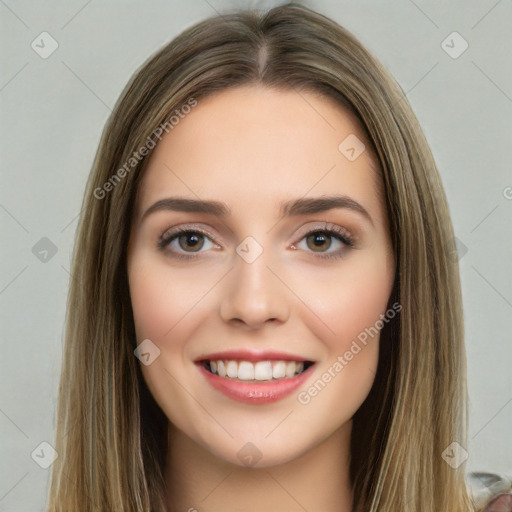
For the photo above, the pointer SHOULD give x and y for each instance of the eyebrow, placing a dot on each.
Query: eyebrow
(302, 206)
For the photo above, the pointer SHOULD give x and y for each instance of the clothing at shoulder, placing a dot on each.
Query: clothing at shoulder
(491, 492)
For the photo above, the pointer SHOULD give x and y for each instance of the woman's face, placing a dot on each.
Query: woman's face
(257, 178)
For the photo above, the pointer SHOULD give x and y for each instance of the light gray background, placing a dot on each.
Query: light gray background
(53, 111)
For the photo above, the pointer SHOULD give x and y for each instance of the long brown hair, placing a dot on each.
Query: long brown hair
(111, 435)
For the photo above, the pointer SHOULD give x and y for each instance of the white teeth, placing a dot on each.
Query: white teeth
(245, 371)
(232, 369)
(262, 370)
(279, 370)
(221, 369)
(290, 369)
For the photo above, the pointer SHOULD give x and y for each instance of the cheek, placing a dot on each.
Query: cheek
(166, 308)
(154, 307)
(351, 304)
(162, 300)
(351, 299)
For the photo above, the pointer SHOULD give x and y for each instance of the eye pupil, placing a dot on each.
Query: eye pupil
(319, 241)
(191, 241)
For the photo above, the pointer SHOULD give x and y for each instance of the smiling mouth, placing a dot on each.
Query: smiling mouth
(261, 371)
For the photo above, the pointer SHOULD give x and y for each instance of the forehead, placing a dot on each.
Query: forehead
(253, 143)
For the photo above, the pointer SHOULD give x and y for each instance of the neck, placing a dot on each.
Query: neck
(197, 480)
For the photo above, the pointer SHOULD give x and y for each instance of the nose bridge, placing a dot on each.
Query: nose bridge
(253, 294)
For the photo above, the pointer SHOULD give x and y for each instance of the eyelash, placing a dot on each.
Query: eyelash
(335, 232)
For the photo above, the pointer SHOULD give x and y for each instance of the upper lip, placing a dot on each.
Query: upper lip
(250, 355)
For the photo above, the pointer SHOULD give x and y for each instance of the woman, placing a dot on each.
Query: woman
(265, 311)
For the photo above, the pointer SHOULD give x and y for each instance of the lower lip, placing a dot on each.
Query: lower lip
(263, 392)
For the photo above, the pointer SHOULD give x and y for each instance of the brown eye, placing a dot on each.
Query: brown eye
(191, 242)
(319, 241)
(330, 243)
(184, 243)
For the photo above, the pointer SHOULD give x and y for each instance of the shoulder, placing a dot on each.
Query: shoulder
(491, 492)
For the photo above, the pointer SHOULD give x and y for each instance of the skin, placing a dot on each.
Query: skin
(252, 147)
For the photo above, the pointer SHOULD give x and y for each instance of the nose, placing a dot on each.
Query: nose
(254, 296)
